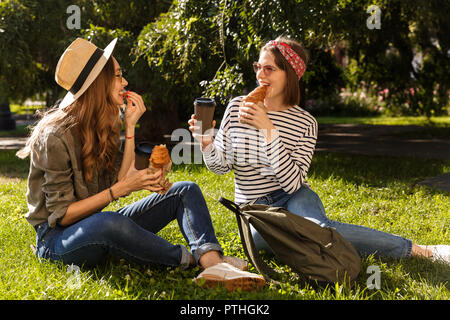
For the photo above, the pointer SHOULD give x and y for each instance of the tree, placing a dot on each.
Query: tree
(386, 57)
(198, 47)
(29, 49)
(207, 47)
(34, 34)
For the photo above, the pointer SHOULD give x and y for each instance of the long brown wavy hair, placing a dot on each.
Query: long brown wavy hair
(96, 119)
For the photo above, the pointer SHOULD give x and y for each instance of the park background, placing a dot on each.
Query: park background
(174, 51)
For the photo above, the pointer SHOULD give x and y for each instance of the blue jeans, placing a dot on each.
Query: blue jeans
(306, 203)
(130, 232)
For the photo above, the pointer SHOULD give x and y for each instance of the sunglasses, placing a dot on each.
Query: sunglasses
(268, 69)
(120, 74)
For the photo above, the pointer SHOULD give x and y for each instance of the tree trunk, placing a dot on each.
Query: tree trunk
(156, 123)
(7, 122)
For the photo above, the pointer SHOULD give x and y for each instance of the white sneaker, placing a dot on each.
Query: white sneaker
(440, 252)
(236, 262)
(230, 277)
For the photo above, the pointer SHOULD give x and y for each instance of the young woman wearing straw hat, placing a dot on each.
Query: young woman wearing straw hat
(77, 167)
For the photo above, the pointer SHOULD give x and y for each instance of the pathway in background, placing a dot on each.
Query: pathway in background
(382, 140)
(374, 140)
(402, 141)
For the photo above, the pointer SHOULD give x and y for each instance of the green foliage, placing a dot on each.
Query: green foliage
(29, 49)
(210, 45)
(123, 19)
(180, 53)
(34, 34)
(199, 47)
(385, 57)
(124, 14)
(224, 84)
(207, 47)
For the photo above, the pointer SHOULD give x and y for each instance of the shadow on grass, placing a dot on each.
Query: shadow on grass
(398, 276)
(435, 273)
(401, 273)
(12, 166)
(375, 171)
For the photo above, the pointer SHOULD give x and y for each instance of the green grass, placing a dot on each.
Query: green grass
(376, 192)
(384, 120)
(21, 109)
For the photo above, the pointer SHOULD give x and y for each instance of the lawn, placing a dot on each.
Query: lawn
(377, 192)
(442, 121)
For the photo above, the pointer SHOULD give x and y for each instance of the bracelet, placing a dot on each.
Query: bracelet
(130, 137)
(112, 195)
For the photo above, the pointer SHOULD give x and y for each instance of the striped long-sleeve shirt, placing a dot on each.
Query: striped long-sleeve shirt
(261, 168)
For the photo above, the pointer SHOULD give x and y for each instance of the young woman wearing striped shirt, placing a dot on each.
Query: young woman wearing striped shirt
(270, 146)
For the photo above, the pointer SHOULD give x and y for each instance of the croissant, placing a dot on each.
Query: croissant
(256, 95)
(160, 161)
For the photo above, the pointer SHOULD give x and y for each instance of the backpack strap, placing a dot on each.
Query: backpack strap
(248, 243)
(230, 205)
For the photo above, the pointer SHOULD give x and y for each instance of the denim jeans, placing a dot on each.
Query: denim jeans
(130, 232)
(306, 203)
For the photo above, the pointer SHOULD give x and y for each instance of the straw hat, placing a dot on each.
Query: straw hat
(79, 66)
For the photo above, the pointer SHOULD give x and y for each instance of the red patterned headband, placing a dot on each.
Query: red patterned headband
(291, 56)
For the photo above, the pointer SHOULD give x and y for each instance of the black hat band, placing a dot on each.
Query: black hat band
(86, 70)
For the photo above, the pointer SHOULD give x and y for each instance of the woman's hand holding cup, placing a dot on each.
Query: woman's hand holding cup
(194, 127)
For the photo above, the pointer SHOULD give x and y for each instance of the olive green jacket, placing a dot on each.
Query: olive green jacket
(56, 176)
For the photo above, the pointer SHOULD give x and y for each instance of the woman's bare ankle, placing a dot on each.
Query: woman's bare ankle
(192, 260)
(210, 259)
(421, 251)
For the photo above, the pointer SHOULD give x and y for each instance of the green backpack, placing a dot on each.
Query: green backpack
(318, 253)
